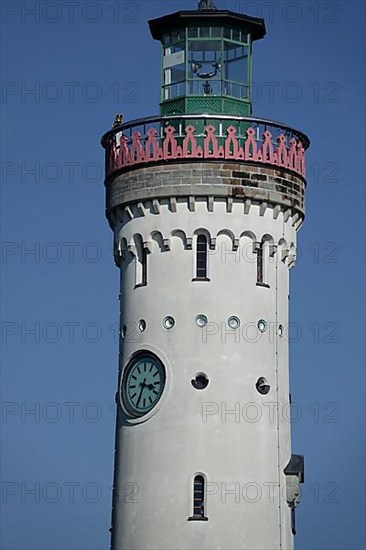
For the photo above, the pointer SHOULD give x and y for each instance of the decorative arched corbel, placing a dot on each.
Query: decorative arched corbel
(256, 246)
(276, 211)
(272, 250)
(148, 246)
(295, 218)
(132, 248)
(129, 212)
(173, 204)
(287, 215)
(191, 204)
(263, 208)
(155, 207)
(118, 261)
(291, 260)
(284, 254)
(299, 223)
(141, 208)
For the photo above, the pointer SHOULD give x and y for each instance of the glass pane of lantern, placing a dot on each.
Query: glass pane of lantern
(236, 34)
(205, 64)
(174, 48)
(235, 70)
(227, 33)
(174, 71)
(193, 32)
(178, 35)
(216, 32)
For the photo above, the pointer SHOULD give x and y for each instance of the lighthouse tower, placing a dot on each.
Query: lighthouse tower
(205, 202)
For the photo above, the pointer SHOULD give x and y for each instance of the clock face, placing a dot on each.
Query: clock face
(143, 384)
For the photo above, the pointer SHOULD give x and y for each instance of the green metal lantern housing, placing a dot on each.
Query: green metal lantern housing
(207, 61)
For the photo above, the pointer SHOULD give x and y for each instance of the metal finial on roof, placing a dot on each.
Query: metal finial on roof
(206, 5)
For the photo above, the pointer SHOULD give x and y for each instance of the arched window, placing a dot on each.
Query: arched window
(141, 263)
(199, 499)
(201, 260)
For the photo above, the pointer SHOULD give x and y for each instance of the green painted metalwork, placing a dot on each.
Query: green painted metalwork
(200, 105)
(206, 62)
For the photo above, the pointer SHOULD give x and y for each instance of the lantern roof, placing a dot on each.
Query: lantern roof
(207, 17)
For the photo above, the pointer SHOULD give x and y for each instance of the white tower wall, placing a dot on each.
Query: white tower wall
(241, 454)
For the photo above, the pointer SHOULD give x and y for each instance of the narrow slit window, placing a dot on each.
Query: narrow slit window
(141, 264)
(199, 499)
(260, 265)
(144, 266)
(201, 268)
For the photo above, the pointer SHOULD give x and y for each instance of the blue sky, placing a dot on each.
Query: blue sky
(85, 62)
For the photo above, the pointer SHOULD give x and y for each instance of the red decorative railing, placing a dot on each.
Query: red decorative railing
(176, 138)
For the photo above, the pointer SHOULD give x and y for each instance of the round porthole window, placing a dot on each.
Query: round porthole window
(280, 331)
(262, 325)
(201, 321)
(142, 325)
(200, 382)
(124, 331)
(169, 322)
(234, 322)
(262, 386)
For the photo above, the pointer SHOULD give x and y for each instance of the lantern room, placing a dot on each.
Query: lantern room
(206, 60)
